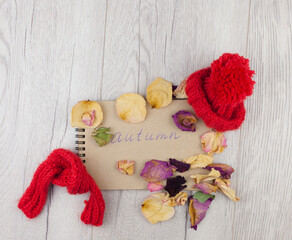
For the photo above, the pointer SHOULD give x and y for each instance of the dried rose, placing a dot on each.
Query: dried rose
(224, 186)
(185, 121)
(206, 188)
(86, 114)
(181, 166)
(154, 186)
(178, 199)
(154, 210)
(131, 107)
(224, 169)
(213, 142)
(180, 91)
(102, 136)
(214, 174)
(156, 170)
(126, 167)
(197, 210)
(159, 93)
(199, 161)
(175, 185)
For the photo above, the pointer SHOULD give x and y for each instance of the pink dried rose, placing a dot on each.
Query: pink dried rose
(88, 117)
(206, 188)
(180, 90)
(224, 169)
(185, 121)
(181, 166)
(156, 170)
(154, 186)
(213, 142)
(126, 167)
(198, 210)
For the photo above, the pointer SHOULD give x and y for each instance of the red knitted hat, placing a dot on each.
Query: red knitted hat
(217, 93)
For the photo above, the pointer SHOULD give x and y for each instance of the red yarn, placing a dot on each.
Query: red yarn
(217, 93)
(63, 168)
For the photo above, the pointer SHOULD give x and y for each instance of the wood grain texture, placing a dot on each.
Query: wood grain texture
(55, 53)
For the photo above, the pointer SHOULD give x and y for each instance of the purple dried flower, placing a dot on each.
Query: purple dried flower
(185, 121)
(181, 166)
(224, 169)
(174, 185)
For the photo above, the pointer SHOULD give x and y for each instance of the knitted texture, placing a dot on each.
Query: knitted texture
(63, 168)
(217, 93)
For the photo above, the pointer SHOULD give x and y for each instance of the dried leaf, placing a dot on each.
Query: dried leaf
(224, 169)
(154, 210)
(214, 174)
(131, 107)
(198, 210)
(180, 92)
(224, 186)
(181, 166)
(206, 188)
(185, 121)
(154, 186)
(175, 185)
(86, 114)
(202, 197)
(126, 167)
(102, 136)
(156, 170)
(199, 161)
(213, 142)
(159, 93)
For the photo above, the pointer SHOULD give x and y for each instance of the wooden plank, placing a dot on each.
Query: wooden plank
(264, 158)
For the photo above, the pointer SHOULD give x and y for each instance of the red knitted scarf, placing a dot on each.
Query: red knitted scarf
(63, 168)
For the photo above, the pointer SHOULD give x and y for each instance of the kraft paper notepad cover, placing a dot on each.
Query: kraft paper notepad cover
(155, 138)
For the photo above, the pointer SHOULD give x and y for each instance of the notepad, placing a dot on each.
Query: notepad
(157, 137)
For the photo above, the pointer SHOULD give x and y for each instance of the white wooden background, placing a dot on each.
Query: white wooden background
(54, 53)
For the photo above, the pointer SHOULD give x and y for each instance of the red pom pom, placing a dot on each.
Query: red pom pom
(230, 80)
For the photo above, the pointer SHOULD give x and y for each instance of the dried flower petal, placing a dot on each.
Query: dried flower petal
(154, 186)
(197, 210)
(131, 107)
(88, 118)
(159, 93)
(126, 167)
(102, 135)
(86, 114)
(185, 121)
(174, 185)
(224, 186)
(214, 174)
(213, 142)
(206, 188)
(180, 92)
(156, 170)
(224, 169)
(178, 199)
(181, 166)
(199, 161)
(154, 210)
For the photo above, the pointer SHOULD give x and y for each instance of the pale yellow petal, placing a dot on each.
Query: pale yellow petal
(178, 199)
(214, 174)
(159, 93)
(199, 161)
(224, 186)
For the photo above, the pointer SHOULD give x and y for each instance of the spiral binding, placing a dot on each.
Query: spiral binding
(80, 142)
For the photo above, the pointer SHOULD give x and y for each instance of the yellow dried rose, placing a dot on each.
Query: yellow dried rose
(126, 167)
(213, 142)
(86, 114)
(154, 210)
(199, 161)
(159, 93)
(180, 91)
(178, 199)
(131, 107)
(224, 186)
(214, 174)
